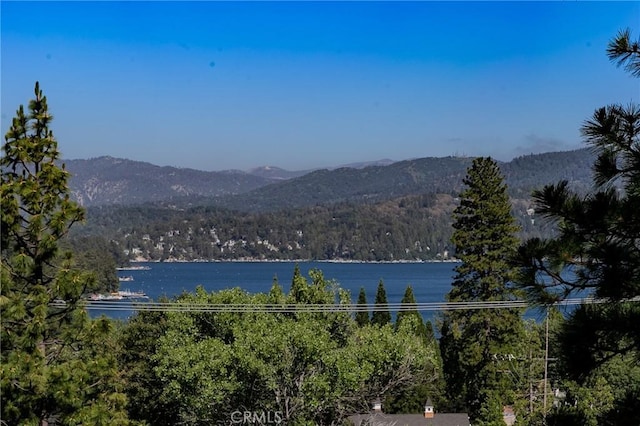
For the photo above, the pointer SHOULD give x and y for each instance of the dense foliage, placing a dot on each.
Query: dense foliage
(304, 367)
(471, 341)
(599, 242)
(412, 399)
(100, 257)
(57, 365)
(362, 316)
(408, 228)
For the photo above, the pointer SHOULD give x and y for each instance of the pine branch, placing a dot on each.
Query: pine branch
(624, 52)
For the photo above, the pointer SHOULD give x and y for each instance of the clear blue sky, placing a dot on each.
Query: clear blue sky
(228, 85)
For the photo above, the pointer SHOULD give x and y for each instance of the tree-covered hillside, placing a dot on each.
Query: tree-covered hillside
(377, 213)
(106, 181)
(416, 227)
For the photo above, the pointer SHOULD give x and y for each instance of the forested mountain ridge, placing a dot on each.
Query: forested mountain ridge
(108, 180)
(410, 177)
(277, 173)
(408, 228)
(526, 173)
(379, 213)
(347, 184)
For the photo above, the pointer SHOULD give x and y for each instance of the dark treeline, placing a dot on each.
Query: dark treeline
(407, 228)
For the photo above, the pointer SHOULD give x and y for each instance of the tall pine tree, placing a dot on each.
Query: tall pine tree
(409, 310)
(473, 340)
(362, 317)
(598, 239)
(57, 365)
(381, 315)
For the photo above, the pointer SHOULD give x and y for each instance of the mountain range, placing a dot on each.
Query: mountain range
(381, 211)
(108, 181)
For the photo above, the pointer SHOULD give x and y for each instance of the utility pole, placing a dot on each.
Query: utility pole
(546, 363)
(530, 380)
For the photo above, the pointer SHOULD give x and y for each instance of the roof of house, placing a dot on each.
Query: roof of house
(381, 419)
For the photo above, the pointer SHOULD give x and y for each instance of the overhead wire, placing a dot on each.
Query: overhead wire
(136, 305)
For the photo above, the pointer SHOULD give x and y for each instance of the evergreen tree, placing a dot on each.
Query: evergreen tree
(484, 238)
(598, 233)
(362, 317)
(138, 341)
(428, 328)
(93, 253)
(408, 303)
(598, 240)
(299, 286)
(57, 365)
(381, 315)
(276, 293)
(625, 52)
(412, 399)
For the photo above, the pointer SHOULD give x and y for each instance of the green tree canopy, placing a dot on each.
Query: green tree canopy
(362, 317)
(598, 233)
(484, 238)
(57, 365)
(381, 315)
(97, 255)
(412, 399)
(596, 251)
(310, 368)
(408, 303)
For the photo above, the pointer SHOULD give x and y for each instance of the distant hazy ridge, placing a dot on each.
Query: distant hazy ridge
(107, 180)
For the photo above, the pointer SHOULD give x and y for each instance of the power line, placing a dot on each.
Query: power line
(109, 305)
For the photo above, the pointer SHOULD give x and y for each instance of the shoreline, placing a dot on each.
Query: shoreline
(140, 261)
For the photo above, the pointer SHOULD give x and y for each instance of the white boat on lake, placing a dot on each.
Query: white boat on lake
(128, 294)
(134, 268)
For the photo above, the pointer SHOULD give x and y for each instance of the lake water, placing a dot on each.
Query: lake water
(430, 281)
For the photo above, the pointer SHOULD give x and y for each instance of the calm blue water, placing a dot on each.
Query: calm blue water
(430, 281)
